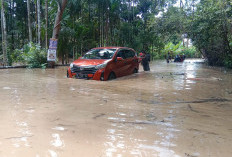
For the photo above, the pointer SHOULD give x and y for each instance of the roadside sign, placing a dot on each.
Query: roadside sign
(51, 55)
(52, 50)
(53, 43)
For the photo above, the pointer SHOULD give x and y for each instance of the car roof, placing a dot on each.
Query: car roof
(112, 47)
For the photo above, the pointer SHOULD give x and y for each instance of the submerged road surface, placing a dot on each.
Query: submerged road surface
(175, 110)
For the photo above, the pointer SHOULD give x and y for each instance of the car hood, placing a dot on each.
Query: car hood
(89, 62)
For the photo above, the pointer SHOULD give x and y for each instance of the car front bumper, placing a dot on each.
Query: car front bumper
(86, 74)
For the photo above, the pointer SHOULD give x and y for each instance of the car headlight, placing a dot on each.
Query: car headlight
(71, 65)
(101, 66)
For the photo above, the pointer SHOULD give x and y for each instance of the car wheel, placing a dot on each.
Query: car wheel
(135, 71)
(111, 76)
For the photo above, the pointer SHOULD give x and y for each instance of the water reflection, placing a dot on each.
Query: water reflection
(115, 142)
(56, 142)
(52, 153)
(124, 128)
(59, 128)
(6, 88)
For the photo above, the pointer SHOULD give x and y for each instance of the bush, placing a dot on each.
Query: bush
(31, 55)
(228, 61)
(190, 52)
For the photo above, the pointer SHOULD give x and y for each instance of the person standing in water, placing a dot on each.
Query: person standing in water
(168, 57)
(145, 61)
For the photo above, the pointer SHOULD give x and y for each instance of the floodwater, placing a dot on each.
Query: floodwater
(175, 110)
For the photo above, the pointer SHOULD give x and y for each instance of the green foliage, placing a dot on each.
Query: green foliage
(31, 55)
(172, 25)
(228, 61)
(135, 24)
(156, 48)
(190, 52)
(210, 31)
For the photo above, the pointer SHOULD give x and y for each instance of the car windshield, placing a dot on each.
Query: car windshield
(99, 54)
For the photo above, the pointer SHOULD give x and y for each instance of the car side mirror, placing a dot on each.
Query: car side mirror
(119, 59)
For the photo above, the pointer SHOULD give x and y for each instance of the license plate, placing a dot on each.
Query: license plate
(81, 75)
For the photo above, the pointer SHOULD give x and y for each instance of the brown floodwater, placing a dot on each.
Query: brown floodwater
(175, 110)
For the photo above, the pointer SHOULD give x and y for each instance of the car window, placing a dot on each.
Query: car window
(129, 54)
(99, 54)
(132, 54)
(121, 53)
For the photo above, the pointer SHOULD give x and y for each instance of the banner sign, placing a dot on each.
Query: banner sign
(52, 50)
(53, 43)
(51, 55)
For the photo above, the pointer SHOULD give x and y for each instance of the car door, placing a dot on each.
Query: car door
(130, 61)
(120, 65)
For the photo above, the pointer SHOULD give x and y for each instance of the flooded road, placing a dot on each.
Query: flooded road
(175, 110)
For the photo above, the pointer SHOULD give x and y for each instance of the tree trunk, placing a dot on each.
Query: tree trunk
(89, 10)
(29, 20)
(12, 25)
(193, 8)
(60, 10)
(39, 26)
(181, 4)
(4, 35)
(73, 52)
(36, 19)
(46, 24)
(99, 24)
(57, 25)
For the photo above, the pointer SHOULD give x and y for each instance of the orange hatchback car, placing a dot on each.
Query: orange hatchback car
(105, 63)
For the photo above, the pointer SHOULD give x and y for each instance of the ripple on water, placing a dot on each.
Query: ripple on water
(161, 151)
(72, 89)
(30, 110)
(57, 141)
(116, 119)
(121, 114)
(52, 153)
(59, 128)
(22, 124)
(6, 88)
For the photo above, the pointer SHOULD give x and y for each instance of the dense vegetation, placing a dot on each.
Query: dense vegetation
(156, 26)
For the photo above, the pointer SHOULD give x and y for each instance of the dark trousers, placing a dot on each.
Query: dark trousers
(146, 66)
